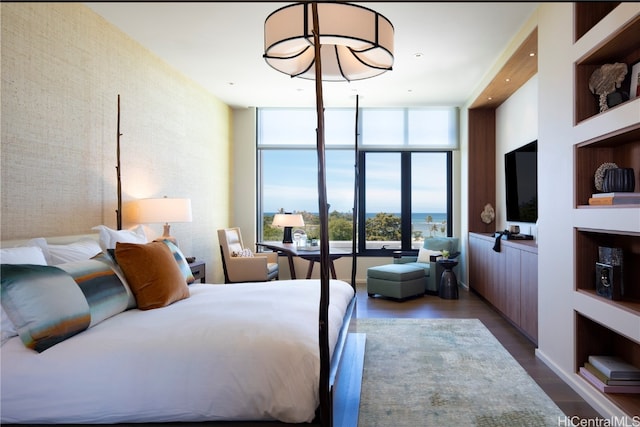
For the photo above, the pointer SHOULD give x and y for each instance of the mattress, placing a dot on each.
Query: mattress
(228, 352)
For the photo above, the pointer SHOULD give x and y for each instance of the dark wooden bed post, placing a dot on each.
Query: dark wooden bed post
(381, 41)
(119, 183)
(326, 416)
(354, 218)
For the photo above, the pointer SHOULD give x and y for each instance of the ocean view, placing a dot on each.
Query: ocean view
(418, 220)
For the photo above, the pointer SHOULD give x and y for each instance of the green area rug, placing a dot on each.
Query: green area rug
(445, 372)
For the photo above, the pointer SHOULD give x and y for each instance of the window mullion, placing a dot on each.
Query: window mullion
(362, 206)
(405, 213)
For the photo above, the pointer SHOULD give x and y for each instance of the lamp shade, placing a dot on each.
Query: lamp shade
(288, 220)
(163, 210)
(356, 42)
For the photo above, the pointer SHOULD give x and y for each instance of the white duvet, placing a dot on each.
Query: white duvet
(229, 352)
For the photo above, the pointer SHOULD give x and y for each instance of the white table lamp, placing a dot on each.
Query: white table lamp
(164, 210)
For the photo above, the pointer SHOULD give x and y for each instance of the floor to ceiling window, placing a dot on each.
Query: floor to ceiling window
(404, 171)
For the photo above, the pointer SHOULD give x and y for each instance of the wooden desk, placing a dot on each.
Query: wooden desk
(311, 255)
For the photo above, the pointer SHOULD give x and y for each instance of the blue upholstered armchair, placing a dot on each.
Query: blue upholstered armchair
(426, 258)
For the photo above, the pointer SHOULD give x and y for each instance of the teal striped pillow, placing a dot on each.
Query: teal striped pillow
(101, 286)
(44, 303)
(50, 304)
(181, 260)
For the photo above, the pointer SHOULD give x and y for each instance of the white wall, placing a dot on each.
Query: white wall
(555, 182)
(516, 125)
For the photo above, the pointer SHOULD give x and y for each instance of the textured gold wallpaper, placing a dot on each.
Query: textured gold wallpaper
(62, 69)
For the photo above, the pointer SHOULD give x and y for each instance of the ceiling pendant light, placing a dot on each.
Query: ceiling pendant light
(356, 42)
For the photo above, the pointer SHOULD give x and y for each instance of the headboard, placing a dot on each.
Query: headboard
(54, 240)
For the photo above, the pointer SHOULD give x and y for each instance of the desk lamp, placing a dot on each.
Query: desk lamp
(288, 221)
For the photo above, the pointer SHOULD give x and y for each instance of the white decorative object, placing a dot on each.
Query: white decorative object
(488, 214)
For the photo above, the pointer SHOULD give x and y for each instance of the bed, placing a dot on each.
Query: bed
(224, 352)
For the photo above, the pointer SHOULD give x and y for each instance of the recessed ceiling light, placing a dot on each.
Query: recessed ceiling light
(532, 54)
(507, 80)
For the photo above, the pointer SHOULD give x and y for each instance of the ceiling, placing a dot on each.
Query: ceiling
(442, 50)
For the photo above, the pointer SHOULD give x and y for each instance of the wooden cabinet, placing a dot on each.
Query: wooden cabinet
(606, 33)
(507, 279)
(529, 293)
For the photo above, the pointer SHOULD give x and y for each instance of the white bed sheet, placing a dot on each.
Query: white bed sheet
(229, 352)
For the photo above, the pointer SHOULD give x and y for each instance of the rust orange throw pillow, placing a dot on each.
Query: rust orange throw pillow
(152, 273)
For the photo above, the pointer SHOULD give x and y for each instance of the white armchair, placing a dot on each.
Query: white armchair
(241, 264)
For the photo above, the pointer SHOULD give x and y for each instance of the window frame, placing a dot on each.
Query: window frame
(406, 149)
(405, 203)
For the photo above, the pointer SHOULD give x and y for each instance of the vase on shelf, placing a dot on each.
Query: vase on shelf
(619, 179)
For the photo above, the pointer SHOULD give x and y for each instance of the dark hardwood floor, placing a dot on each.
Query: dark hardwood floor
(470, 305)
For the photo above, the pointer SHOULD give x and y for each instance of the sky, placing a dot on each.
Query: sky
(290, 170)
(290, 179)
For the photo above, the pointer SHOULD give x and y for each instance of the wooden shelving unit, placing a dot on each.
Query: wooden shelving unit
(595, 332)
(594, 338)
(588, 14)
(621, 147)
(620, 47)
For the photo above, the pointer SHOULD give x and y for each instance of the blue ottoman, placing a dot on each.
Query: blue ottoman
(399, 281)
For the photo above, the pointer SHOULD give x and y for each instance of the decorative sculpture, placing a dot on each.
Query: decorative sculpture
(488, 214)
(598, 177)
(605, 80)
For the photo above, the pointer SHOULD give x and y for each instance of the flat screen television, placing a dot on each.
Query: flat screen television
(521, 169)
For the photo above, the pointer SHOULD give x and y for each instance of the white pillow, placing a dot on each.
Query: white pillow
(424, 255)
(245, 253)
(7, 328)
(84, 249)
(18, 255)
(23, 255)
(109, 237)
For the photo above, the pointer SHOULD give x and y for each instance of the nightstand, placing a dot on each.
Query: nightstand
(198, 269)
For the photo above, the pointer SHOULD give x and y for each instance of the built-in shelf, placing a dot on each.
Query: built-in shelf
(621, 147)
(622, 47)
(588, 14)
(592, 338)
(587, 243)
(605, 326)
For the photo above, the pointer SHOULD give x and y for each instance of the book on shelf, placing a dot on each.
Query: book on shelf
(605, 388)
(615, 368)
(619, 194)
(606, 380)
(614, 200)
